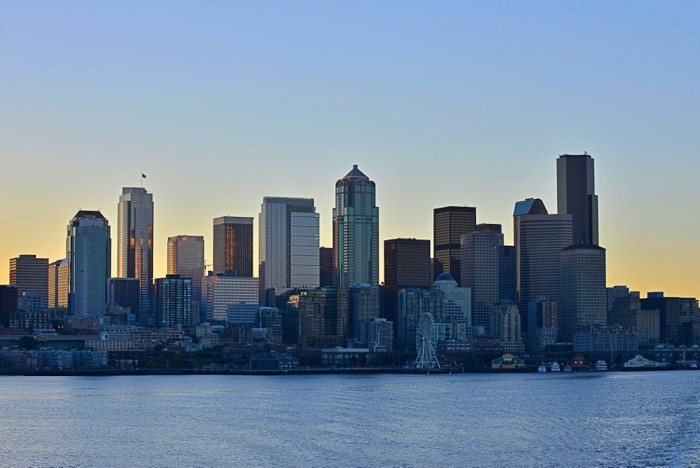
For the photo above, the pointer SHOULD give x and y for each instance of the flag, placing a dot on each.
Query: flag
(143, 176)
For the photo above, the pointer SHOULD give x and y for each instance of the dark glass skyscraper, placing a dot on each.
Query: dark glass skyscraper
(450, 223)
(576, 196)
(233, 246)
(406, 265)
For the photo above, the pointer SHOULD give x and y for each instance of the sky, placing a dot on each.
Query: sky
(440, 103)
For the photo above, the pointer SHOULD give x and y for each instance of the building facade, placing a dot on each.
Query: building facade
(576, 196)
(58, 274)
(31, 275)
(450, 223)
(135, 241)
(289, 244)
(480, 272)
(174, 301)
(89, 254)
(355, 231)
(406, 265)
(186, 258)
(231, 298)
(233, 246)
(583, 298)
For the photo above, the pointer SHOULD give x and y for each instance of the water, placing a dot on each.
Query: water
(595, 419)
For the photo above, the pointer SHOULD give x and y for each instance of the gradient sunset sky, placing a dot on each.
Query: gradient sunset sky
(440, 103)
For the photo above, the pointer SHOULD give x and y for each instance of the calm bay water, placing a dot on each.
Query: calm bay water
(594, 419)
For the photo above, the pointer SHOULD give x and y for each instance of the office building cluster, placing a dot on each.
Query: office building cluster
(547, 290)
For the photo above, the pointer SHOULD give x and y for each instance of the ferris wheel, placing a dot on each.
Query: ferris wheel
(426, 342)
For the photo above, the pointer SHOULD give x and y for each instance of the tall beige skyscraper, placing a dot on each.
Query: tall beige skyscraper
(135, 240)
(186, 258)
(31, 275)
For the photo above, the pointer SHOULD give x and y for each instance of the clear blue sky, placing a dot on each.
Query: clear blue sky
(451, 102)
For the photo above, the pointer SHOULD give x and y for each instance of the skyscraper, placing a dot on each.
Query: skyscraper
(135, 242)
(31, 275)
(406, 265)
(355, 241)
(173, 301)
(576, 196)
(450, 223)
(289, 244)
(88, 250)
(8, 304)
(233, 246)
(480, 272)
(539, 239)
(186, 258)
(326, 267)
(356, 230)
(58, 284)
(583, 296)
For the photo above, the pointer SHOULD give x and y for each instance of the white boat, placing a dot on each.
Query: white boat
(555, 367)
(542, 368)
(640, 362)
(601, 365)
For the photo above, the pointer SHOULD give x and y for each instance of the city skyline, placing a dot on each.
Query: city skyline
(437, 118)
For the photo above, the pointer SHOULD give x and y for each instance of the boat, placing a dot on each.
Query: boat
(601, 365)
(542, 368)
(639, 362)
(567, 368)
(554, 367)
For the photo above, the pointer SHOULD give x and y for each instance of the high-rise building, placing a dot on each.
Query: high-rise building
(318, 309)
(539, 240)
(456, 307)
(58, 284)
(186, 258)
(505, 318)
(543, 318)
(673, 313)
(325, 267)
(355, 240)
(507, 274)
(411, 304)
(31, 275)
(480, 272)
(289, 244)
(450, 223)
(233, 246)
(406, 265)
(356, 230)
(583, 295)
(231, 298)
(576, 196)
(135, 242)
(8, 304)
(173, 301)
(364, 308)
(125, 293)
(89, 254)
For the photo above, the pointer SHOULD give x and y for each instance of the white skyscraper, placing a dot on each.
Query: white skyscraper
(289, 244)
(135, 240)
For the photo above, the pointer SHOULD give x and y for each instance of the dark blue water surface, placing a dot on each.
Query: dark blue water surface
(594, 419)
